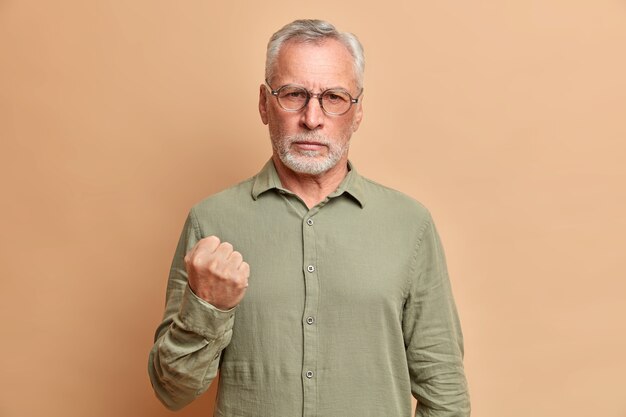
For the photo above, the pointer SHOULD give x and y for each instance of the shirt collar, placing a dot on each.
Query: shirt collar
(267, 179)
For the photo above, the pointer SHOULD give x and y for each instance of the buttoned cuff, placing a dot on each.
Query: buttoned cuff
(201, 317)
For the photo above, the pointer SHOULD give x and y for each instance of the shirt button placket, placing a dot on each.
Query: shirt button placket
(311, 281)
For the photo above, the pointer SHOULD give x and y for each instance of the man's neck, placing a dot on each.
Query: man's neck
(312, 189)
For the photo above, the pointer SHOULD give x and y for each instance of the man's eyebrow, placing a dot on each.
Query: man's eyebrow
(326, 88)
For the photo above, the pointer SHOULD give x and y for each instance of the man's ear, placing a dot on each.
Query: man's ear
(358, 115)
(263, 104)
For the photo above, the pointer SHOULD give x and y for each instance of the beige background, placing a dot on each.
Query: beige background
(506, 118)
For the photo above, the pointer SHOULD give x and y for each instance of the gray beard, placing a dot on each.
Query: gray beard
(308, 162)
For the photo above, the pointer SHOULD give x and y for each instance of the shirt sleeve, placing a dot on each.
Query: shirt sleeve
(432, 334)
(188, 343)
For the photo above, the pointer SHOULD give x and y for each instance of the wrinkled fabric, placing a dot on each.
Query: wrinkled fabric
(348, 312)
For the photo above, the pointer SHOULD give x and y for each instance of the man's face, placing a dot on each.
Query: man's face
(309, 141)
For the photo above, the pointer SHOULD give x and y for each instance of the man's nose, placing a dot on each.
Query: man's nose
(313, 115)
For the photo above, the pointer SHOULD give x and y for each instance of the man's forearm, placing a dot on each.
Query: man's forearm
(185, 357)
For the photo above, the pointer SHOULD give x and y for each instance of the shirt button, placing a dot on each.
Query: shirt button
(310, 320)
(309, 222)
(309, 374)
(310, 268)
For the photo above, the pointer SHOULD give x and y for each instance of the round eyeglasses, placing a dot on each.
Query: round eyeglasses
(334, 101)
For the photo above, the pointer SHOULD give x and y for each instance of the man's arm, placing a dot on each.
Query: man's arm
(432, 334)
(188, 343)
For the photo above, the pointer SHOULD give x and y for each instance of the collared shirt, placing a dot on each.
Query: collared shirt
(349, 308)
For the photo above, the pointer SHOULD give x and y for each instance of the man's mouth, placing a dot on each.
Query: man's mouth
(309, 145)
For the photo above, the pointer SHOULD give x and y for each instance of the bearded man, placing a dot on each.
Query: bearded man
(313, 290)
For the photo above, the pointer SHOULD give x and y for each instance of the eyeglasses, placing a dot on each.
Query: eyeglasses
(334, 101)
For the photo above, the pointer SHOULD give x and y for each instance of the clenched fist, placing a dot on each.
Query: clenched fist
(217, 273)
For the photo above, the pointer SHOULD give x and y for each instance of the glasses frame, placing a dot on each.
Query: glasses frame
(310, 95)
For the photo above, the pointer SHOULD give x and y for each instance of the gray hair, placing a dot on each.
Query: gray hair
(314, 31)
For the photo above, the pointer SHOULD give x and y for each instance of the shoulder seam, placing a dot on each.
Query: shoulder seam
(194, 224)
(395, 191)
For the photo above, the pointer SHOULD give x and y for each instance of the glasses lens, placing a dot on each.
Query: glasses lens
(292, 98)
(336, 101)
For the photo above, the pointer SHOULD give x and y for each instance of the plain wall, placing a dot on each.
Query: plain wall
(505, 118)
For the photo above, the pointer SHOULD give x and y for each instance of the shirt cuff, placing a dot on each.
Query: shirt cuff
(201, 317)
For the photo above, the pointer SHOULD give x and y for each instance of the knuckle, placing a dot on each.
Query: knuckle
(227, 247)
(213, 265)
(241, 284)
(210, 242)
(212, 239)
(196, 263)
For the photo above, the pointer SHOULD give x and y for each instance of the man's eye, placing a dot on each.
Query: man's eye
(294, 95)
(335, 97)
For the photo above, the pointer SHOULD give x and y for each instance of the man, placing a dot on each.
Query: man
(314, 291)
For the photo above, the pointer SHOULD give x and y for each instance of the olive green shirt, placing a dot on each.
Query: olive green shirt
(348, 311)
